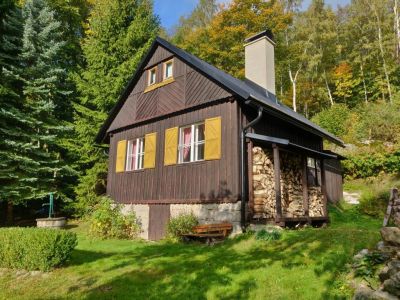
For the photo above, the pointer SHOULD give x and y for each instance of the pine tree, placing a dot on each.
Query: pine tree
(119, 33)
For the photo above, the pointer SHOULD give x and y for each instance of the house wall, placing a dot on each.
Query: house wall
(198, 182)
(334, 180)
(189, 89)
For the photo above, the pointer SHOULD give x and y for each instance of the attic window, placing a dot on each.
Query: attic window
(152, 76)
(168, 69)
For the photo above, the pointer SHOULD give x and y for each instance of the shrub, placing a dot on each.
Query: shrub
(35, 248)
(269, 234)
(335, 119)
(107, 221)
(374, 203)
(181, 224)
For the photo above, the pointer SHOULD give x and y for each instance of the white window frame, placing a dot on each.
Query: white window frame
(139, 154)
(155, 76)
(171, 62)
(194, 143)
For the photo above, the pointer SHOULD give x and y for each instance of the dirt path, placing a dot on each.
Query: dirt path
(352, 198)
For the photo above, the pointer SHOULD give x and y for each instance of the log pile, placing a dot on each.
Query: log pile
(263, 183)
(315, 202)
(291, 186)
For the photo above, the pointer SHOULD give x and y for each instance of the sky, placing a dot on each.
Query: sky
(169, 11)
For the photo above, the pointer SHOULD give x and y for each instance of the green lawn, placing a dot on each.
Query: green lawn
(304, 264)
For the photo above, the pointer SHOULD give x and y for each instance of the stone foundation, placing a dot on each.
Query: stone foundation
(142, 214)
(205, 213)
(291, 186)
(212, 213)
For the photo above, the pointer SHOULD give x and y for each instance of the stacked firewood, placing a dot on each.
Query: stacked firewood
(291, 186)
(263, 183)
(315, 202)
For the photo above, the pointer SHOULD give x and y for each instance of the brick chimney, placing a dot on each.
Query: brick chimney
(260, 60)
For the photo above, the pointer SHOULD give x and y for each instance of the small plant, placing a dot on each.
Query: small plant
(107, 221)
(368, 264)
(181, 224)
(269, 234)
(35, 248)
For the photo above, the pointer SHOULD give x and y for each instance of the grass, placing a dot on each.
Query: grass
(304, 264)
(374, 193)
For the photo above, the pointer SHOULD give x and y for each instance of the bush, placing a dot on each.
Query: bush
(269, 234)
(336, 119)
(181, 224)
(374, 203)
(35, 248)
(107, 221)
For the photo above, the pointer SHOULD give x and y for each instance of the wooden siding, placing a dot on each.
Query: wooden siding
(206, 181)
(188, 89)
(334, 180)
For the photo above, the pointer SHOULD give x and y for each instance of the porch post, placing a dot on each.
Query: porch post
(277, 173)
(323, 188)
(305, 187)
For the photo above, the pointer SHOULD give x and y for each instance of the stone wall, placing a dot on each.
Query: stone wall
(142, 214)
(206, 214)
(291, 186)
(211, 213)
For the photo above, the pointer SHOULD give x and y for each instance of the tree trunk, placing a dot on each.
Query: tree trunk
(364, 84)
(328, 89)
(383, 54)
(397, 28)
(293, 80)
(10, 213)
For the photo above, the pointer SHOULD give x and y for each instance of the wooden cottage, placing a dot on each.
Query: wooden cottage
(187, 137)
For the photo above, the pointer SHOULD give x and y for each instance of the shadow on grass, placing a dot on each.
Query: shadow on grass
(174, 271)
(81, 257)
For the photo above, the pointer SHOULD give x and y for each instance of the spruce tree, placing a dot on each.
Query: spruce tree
(45, 97)
(14, 122)
(119, 33)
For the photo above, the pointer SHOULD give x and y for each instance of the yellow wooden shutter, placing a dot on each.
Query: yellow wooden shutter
(121, 153)
(150, 140)
(212, 148)
(171, 146)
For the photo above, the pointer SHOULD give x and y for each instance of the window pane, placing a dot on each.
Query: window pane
(200, 152)
(152, 76)
(200, 133)
(168, 70)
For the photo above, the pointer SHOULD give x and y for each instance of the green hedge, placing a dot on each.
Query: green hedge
(35, 248)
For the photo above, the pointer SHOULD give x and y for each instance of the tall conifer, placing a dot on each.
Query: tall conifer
(119, 33)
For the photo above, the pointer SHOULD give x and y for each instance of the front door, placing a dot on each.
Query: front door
(159, 217)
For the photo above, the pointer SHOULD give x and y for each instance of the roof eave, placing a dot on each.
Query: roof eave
(320, 132)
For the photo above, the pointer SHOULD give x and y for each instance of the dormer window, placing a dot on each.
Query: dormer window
(152, 75)
(168, 69)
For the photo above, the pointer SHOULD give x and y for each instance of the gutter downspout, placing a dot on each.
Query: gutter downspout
(243, 167)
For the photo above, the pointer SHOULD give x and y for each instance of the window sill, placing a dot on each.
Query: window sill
(190, 163)
(135, 171)
(158, 85)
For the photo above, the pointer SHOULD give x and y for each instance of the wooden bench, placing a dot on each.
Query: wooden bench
(210, 232)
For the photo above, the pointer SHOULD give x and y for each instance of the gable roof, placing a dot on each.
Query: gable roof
(246, 90)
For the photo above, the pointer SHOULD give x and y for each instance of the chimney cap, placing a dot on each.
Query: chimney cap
(265, 33)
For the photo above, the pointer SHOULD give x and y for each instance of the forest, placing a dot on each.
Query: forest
(63, 65)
